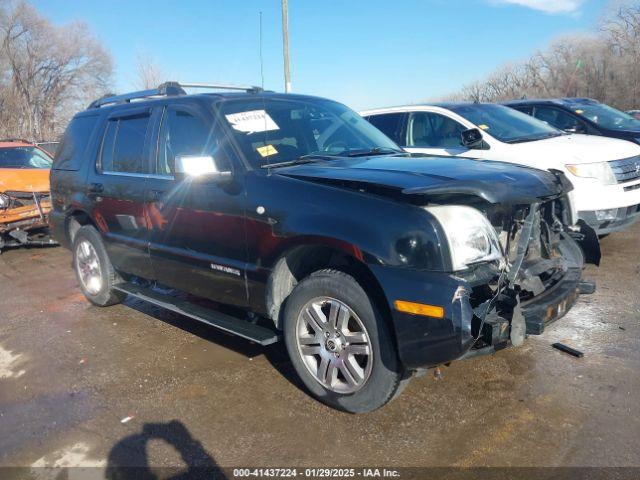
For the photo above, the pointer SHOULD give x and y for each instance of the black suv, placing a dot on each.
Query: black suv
(306, 222)
(581, 115)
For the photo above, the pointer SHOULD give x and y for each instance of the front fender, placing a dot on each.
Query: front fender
(284, 211)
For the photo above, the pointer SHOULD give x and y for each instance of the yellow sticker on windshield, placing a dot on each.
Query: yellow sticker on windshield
(579, 112)
(484, 127)
(267, 150)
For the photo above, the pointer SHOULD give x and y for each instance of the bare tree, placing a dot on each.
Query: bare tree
(604, 65)
(149, 74)
(48, 72)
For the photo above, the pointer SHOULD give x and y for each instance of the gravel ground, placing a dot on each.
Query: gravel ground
(71, 374)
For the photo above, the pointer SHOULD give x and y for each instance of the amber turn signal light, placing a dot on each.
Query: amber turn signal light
(419, 309)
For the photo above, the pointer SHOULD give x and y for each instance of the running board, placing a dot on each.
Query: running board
(221, 321)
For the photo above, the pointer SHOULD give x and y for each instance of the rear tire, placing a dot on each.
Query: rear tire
(94, 271)
(339, 344)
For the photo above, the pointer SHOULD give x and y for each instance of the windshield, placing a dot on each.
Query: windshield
(606, 116)
(24, 157)
(506, 124)
(277, 130)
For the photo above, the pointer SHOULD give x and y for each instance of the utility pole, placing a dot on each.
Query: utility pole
(285, 45)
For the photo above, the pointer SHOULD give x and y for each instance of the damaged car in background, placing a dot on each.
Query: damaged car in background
(304, 222)
(24, 194)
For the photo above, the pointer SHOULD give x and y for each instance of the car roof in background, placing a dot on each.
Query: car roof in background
(445, 105)
(567, 101)
(454, 105)
(15, 142)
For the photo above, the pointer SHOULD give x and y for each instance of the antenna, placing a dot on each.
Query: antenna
(261, 61)
(285, 45)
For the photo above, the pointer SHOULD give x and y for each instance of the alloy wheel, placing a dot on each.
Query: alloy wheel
(88, 266)
(334, 345)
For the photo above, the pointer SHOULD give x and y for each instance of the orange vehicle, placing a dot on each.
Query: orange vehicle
(25, 200)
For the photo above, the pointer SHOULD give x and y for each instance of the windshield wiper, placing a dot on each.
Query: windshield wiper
(308, 158)
(536, 137)
(372, 151)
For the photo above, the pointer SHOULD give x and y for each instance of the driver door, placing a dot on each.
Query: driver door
(197, 233)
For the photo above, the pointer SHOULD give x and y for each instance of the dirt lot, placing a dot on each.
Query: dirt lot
(70, 373)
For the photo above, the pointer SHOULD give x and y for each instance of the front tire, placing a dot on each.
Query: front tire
(94, 271)
(339, 344)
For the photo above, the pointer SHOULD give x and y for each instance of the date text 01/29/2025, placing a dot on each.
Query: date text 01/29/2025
(316, 472)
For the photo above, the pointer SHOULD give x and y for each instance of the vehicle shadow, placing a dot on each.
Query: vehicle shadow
(128, 459)
(194, 327)
(275, 354)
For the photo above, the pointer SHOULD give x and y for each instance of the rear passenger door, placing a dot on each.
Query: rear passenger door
(116, 188)
(197, 227)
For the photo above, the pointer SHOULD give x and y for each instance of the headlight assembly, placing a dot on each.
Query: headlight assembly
(4, 201)
(471, 237)
(600, 171)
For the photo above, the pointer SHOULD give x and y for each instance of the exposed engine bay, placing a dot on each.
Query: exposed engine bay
(542, 260)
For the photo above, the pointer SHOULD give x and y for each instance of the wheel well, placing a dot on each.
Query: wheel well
(301, 261)
(75, 220)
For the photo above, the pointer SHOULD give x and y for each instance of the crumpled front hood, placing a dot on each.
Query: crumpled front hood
(495, 182)
(24, 180)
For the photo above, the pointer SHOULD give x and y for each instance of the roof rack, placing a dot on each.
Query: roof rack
(169, 89)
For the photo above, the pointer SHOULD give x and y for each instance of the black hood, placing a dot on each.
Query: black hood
(494, 182)
(632, 135)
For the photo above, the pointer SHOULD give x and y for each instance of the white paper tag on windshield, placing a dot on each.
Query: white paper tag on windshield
(251, 122)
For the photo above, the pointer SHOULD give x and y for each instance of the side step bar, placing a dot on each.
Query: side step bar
(221, 321)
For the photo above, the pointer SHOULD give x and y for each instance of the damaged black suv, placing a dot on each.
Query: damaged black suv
(297, 219)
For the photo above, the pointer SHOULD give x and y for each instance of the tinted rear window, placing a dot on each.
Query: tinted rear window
(123, 145)
(74, 144)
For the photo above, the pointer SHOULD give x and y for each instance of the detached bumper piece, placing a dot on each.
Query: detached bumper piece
(23, 238)
(553, 304)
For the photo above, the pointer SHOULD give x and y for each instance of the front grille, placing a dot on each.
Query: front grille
(627, 169)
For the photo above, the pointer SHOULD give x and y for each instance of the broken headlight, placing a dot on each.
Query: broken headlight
(4, 201)
(470, 235)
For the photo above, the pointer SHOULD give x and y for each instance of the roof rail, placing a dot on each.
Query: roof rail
(221, 86)
(168, 89)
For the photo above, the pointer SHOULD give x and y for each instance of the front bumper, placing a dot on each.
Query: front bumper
(25, 218)
(610, 220)
(425, 342)
(553, 303)
(18, 223)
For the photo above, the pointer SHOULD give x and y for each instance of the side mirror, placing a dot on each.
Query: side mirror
(472, 138)
(200, 166)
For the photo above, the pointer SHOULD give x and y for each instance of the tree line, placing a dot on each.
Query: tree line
(47, 72)
(604, 65)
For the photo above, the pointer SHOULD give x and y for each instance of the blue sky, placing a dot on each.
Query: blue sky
(363, 53)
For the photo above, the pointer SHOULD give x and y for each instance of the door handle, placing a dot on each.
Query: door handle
(96, 188)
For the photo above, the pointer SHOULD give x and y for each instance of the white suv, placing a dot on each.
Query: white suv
(604, 171)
